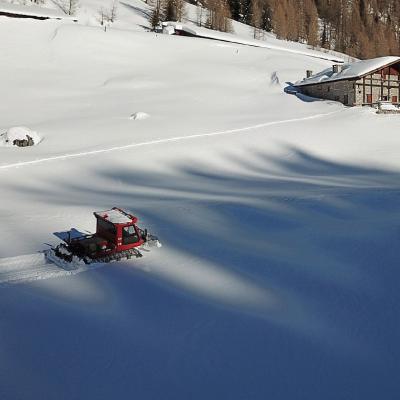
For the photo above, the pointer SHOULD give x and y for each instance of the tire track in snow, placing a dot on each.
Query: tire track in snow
(162, 141)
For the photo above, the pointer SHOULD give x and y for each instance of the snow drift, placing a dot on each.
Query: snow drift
(139, 116)
(15, 135)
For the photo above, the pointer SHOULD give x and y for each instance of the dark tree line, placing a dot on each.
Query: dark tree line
(360, 28)
(363, 28)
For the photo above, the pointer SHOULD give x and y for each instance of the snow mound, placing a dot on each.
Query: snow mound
(19, 133)
(387, 106)
(139, 116)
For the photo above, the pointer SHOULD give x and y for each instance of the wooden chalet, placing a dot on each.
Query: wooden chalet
(365, 82)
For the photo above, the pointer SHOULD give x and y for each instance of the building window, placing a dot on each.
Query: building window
(346, 99)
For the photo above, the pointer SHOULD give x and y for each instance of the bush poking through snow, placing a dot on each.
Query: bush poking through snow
(275, 78)
(20, 136)
(139, 115)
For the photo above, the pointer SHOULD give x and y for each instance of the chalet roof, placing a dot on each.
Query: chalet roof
(32, 11)
(353, 70)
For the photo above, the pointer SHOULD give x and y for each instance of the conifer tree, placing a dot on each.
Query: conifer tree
(361, 28)
(158, 13)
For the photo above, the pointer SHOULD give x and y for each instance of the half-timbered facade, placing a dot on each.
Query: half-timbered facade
(360, 83)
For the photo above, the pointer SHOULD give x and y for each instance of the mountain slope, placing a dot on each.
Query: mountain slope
(278, 215)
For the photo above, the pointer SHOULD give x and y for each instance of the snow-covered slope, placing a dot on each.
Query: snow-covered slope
(279, 218)
(200, 32)
(33, 10)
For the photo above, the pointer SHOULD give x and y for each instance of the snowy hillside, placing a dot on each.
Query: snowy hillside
(279, 219)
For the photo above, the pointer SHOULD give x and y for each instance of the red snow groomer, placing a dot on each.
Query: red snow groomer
(117, 237)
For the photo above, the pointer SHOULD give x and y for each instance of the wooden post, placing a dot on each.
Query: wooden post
(372, 94)
(364, 100)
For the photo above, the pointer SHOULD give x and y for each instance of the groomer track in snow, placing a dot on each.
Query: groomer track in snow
(162, 141)
(31, 267)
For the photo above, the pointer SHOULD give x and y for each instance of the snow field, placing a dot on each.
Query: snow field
(278, 217)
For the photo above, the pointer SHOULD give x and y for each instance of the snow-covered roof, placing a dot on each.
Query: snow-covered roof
(116, 216)
(32, 11)
(349, 71)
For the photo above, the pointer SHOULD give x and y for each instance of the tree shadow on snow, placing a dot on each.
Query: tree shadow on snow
(306, 247)
(139, 11)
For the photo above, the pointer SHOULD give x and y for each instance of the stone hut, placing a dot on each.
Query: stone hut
(360, 83)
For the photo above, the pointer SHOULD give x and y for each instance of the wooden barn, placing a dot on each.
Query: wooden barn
(365, 82)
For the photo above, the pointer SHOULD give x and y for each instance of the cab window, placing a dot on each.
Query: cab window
(106, 229)
(129, 235)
